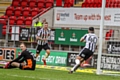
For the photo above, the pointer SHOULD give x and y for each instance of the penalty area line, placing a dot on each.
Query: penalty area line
(27, 77)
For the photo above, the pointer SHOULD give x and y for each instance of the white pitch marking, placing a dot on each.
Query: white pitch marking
(27, 77)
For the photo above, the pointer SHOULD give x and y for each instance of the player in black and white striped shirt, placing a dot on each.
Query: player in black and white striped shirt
(42, 38)
(88, 50)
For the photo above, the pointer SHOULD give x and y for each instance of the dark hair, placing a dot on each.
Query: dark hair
(23, 43)
(91, 29)
(45, 23)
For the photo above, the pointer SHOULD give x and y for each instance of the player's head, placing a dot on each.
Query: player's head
(91, 30)
(22, 46)
(44, 20)
(37, 20)
(45, 25)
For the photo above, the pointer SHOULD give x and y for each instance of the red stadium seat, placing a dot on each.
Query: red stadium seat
(4, 27)
(9, 11)
(99, 5)
(118, 6)
(107, 5)
(115, 5)
(83, 5)
(3, 21)
(4, 32)
(95, 5)
(107, 37)
(24, 3)
(65, 4)
(15, 3)
(58, 3)
(32, 3)
(41, 3)
(107, 1)
(69, 5)
(18, 11)
(26, 12)
(87, 4)
(49, 3)
(28, 21)
(91, 5)
(87, 1)
(20, 20)
(12, 20)
(111, 32)
(34, 12)
(4, 17)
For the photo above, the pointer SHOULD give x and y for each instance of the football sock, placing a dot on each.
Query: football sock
(46, 56)
(77, 61)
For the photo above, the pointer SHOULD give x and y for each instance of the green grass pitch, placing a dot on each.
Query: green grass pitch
(50, 74)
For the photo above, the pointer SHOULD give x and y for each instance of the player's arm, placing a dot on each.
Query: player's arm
(38, 38)
(83, 38)
(17, 59)
(29, 64)
(38, 34)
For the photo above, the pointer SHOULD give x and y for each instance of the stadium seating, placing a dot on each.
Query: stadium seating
(41, 3)
(32, 3)
(9, 11)
(24, 3)
(18, 11)
(21, 12)
(28, 21)
(12, 20)
(4, 27)
(3, 31)
(2, 21)
(67, 3)
(15, 3)
(20, 20)
(109, 34)
(98, 3)
(34, 12)
(26, 11)
(58, 3)
(4, 17)
(49, 3)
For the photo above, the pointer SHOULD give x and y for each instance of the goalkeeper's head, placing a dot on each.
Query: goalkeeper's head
(23, 46)
(91, 30)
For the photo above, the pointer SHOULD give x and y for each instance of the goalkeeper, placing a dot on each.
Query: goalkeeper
(26, 61)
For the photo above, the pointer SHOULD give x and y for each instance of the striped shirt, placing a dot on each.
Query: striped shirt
(91, 41)
(43, 34)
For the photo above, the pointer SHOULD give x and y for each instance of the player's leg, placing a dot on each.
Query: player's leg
(77, 65)
(47, 49)
(38, 50)
(9, 66)
(78, 61)
(17, 64)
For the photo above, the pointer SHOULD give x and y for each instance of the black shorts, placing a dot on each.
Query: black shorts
(85, 53)
(40, 47)
(32, 68)
(21, 67)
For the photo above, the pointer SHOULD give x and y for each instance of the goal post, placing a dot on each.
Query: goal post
(100, 36)
(108, 57)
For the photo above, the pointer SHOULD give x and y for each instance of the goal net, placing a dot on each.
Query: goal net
(110, 58)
